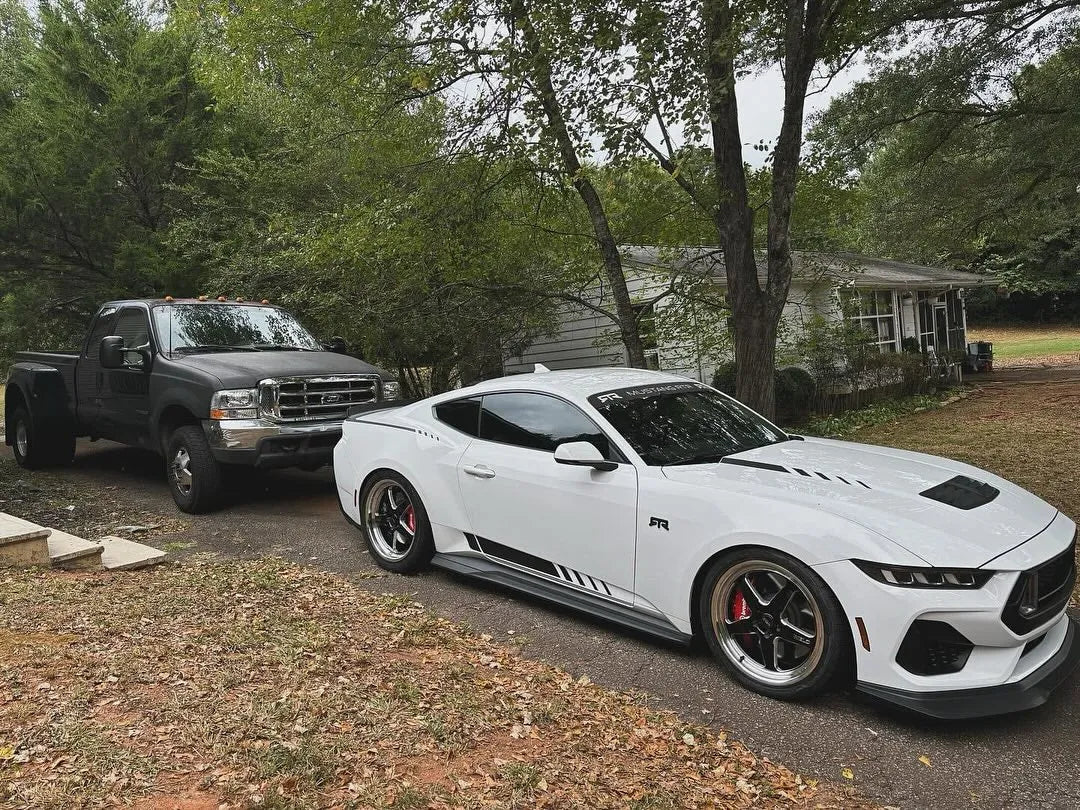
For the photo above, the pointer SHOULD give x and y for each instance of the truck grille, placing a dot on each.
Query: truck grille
(298, 399)
(1041, 593)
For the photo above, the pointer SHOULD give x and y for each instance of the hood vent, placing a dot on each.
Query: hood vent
(962, 492)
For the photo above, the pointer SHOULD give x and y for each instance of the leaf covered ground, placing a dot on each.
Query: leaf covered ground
(264, 684)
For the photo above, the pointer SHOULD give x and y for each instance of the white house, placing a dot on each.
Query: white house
(895, 300)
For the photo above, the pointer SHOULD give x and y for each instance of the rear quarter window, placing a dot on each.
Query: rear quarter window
(461, 414)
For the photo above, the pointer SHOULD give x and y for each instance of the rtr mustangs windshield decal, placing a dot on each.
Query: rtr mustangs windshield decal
(642, 391)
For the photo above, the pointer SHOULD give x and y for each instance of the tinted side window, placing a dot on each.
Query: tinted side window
(133, 326)
(461, 414)
(101, 329)
(538, 422)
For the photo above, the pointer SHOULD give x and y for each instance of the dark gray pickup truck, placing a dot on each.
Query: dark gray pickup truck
(211, 385)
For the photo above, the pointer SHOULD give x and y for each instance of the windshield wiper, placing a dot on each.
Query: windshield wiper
(700, 458)
(210, 347)
(279, 347)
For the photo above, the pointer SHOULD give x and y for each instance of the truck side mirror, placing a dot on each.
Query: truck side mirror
(337, 345)
(114, 355)
(112, 352)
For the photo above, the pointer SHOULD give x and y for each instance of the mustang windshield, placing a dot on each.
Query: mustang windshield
(684, 423)
(193, 328)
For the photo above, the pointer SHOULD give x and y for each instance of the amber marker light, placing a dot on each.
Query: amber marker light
(202, 297)
(221, 298)
(168, 299)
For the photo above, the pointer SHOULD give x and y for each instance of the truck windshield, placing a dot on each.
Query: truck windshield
(193, 328)
(684, 423)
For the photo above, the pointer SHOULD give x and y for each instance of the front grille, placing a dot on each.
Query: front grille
(933, 648)
(1041, 593)
(298, 399)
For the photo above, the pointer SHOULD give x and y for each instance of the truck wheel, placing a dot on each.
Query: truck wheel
(34, 451)
(195, 477)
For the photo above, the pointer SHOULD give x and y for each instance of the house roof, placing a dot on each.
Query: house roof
(810, 267)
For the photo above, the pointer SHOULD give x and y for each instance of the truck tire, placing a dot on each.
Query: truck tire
(195, 478)
(33, 451)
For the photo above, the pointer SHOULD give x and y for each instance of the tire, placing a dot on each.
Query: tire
(790, 651)
(196, 480)
(32, 450)
(390, 509)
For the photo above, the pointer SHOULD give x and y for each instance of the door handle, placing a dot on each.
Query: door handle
(479, 471)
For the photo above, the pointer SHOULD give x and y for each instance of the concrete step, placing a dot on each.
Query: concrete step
(72, 553)
(124, 555)
(23, 543)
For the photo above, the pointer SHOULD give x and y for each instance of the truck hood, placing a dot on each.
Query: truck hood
(880, 489)
(246, 369)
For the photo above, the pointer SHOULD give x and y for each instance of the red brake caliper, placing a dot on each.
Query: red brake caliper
(739, 611)
(410, 519)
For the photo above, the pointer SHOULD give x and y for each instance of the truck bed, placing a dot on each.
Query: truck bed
(48, 358)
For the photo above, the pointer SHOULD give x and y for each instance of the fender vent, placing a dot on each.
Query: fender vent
(961, 492)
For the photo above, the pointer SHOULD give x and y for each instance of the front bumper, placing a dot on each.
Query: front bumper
(1017, 669)
(1030, 691)
(264, 444)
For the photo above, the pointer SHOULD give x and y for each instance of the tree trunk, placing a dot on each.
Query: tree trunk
(540, 70)
(755, 348)
(752, 314)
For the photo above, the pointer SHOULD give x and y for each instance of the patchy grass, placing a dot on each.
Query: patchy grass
(1030, 345)
(847, 422)
(86, 509)
(1026, 432)
(262, 684)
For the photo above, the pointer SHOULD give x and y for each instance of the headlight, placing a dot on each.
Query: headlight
(391, 389)
(241, 403)
(907, 577)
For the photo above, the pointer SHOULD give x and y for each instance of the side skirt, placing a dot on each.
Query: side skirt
(480, 568)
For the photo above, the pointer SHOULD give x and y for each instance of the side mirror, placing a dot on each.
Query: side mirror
(337, 345)
(112, 352)
(583, 454)
(114, 355)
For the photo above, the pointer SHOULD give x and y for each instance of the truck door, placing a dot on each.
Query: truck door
(125, 399)
(89, 377)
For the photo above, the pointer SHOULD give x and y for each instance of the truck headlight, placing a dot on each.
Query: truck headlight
(240, 403)
(903, 576)
(391, 389)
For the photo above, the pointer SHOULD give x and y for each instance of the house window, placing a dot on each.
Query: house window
(646, 318)
(875, 310)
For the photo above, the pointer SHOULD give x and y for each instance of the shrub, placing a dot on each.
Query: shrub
(724, 378)
(795, 390)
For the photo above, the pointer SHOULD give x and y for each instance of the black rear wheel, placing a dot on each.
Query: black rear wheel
(395, 523)
(195, 477)
(34, 450)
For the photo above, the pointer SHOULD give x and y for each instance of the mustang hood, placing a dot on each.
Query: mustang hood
(963, 524)
(246, 369)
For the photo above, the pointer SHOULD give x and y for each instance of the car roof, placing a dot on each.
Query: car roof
(581, 382)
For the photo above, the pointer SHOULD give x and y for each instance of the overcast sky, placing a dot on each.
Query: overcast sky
(761, 106)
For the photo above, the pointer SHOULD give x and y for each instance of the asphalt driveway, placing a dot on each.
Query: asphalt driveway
(1027, 760)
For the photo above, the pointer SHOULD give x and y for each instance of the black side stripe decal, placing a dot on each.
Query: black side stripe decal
(516, 556)
(801, 471)
(760, 465)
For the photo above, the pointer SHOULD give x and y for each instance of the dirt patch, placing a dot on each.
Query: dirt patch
(83, 508)
(263, 684)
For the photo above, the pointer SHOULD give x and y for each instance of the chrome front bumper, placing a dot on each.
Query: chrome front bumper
(263, 443)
